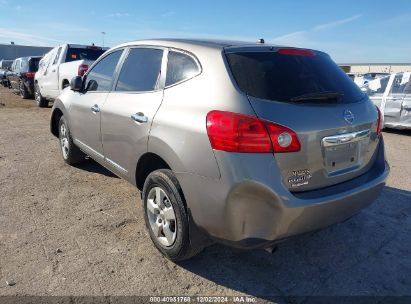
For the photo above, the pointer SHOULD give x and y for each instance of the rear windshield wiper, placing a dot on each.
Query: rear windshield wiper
(318, 96)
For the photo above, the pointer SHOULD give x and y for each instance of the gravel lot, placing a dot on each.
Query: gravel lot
(80, 231)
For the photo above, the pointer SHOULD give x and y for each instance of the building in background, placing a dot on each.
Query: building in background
(13, 51)
(365, 68)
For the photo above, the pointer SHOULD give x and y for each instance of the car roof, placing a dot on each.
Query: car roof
(187, 43)
(206, 44)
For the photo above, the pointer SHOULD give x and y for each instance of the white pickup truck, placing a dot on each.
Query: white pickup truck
(59, 66)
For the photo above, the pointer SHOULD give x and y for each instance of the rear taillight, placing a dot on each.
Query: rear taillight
(82, 69)
(296, 52)
(379, 122)
(283, 138)
(30, 74)
(233, 132)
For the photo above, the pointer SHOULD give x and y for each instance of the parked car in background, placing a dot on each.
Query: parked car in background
(371, 76)
(21, 75)
(5, 66)
(363, 79)
(241, 143)
(60, 65)
(392, 95)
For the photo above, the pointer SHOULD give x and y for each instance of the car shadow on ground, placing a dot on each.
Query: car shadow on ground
(366, 255)
(92, 166)
(399, 132)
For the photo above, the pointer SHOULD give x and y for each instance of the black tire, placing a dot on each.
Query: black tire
(24, 93)
(181, 249)
(40, 100)
(71, 153)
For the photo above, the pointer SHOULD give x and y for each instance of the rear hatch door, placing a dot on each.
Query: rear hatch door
(307, 92)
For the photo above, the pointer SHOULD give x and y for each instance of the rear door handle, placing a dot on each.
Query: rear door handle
(95, 109)
(139, 117)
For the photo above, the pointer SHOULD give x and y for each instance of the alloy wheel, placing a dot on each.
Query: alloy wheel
(64, 143)
(37, 96)
(161, 217)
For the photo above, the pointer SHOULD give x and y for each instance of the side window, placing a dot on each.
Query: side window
(407, 89)
(378, 86)
(141, 70)
(17, 66)
(180, 67)
(50, 57)
(397, 87)
(101, 76)
(57, 56)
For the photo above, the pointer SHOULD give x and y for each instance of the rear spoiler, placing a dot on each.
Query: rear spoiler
(93, 47)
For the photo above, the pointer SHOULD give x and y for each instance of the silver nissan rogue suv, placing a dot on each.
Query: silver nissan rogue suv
(241, 143)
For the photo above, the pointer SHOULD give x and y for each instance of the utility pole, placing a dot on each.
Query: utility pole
(103, 33)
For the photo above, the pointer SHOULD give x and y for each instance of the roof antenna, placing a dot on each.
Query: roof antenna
(261, 40)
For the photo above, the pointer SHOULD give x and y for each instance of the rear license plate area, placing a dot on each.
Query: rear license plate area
(345, 157)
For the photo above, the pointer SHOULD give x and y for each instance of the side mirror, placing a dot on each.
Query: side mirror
(76, 84)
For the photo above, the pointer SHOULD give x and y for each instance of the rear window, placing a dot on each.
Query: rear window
(34, 64)
(282, 77)
(74, 54)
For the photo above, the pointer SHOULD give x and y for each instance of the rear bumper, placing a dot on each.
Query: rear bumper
(250, 208)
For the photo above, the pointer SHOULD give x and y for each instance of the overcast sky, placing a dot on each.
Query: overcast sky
(350, 30)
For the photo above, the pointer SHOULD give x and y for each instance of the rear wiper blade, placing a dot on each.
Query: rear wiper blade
(319, 96)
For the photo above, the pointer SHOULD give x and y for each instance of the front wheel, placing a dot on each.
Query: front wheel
(40, 100)
(166, 216)
(71, 153)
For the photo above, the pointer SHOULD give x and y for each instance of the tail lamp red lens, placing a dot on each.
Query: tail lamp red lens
(296, 52)
(82, 69)
(233, 132)
(30, 74)
(379, 122)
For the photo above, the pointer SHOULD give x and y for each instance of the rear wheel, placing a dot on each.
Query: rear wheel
(166, 216)
(71, 153)
(23, 90)
(40, 100)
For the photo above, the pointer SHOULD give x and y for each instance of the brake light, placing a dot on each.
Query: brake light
(233, 132)
(379, 121)
(82, 69)
(30, 74)
(296, 52)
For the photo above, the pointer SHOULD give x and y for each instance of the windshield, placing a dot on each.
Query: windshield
(83, 54)
(283, 77)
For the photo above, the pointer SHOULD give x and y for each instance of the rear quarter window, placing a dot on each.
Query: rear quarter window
(180, 67)
(282, 77)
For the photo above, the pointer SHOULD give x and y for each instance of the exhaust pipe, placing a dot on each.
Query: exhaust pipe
(271, 250)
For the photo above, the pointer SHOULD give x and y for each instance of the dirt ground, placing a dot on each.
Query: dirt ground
(80, 231)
